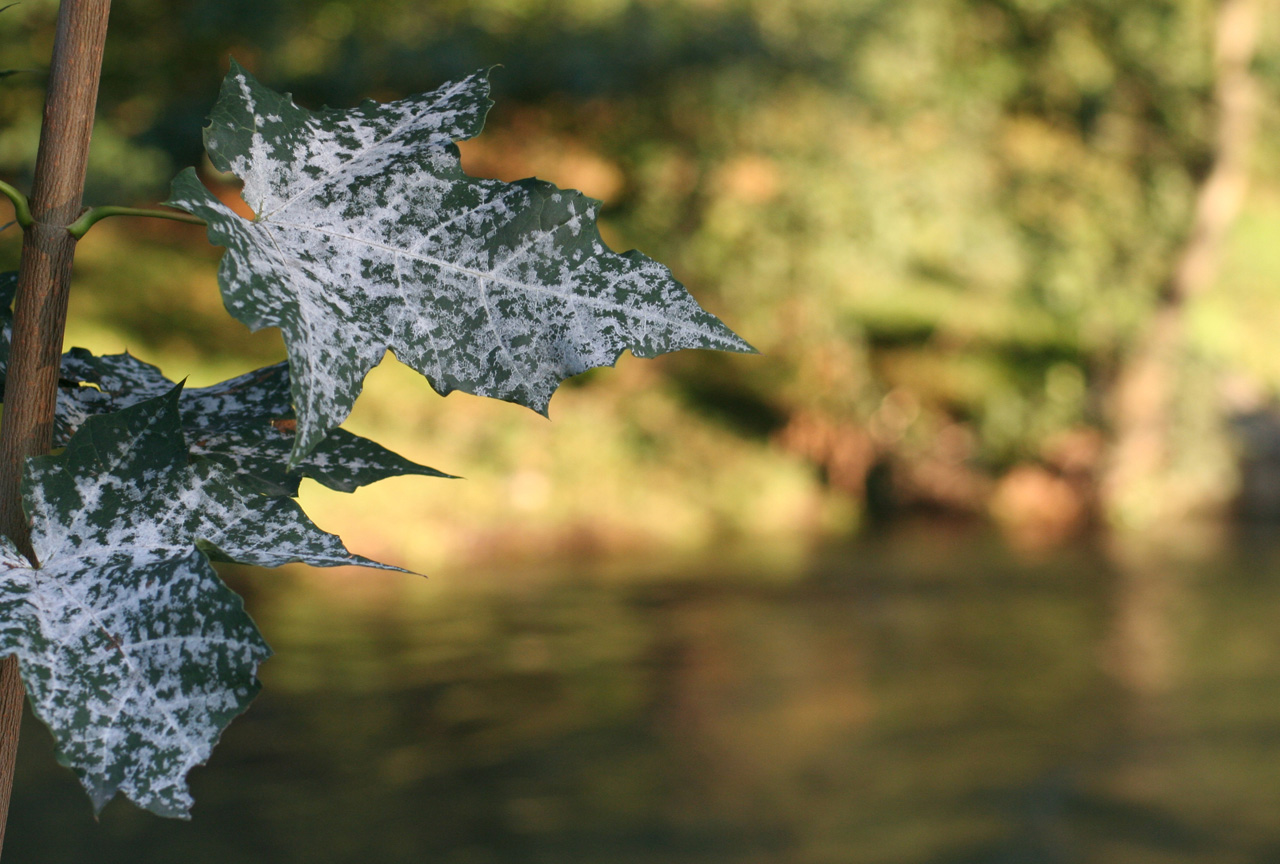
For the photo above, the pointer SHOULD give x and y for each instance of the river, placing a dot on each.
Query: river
(923, 696)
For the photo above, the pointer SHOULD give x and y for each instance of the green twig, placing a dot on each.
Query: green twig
(78, 228)
(21, 209)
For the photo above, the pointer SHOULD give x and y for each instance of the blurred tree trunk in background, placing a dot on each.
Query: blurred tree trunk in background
(1143, 396)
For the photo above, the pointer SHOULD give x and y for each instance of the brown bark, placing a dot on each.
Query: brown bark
(40, 307)
(1143, 396)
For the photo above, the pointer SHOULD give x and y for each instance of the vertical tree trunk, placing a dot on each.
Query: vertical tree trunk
(40, 307)
(1143, 397)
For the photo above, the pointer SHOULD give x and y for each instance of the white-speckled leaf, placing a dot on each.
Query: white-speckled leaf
(369, 236)
(133, 651)
(245, 423)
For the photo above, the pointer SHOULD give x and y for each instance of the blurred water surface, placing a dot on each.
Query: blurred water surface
(923, 696)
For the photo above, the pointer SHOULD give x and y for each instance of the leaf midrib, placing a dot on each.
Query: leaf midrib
(568, 297)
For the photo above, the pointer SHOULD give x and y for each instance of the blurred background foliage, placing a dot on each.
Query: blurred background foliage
(943, 223)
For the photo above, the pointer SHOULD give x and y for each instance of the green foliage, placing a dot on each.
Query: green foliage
(972, 201)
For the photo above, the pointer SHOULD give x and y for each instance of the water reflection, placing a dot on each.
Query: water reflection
(923, 697)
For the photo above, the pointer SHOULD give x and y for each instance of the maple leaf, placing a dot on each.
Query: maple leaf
(132, 650)
(245, 423)
(368, 236)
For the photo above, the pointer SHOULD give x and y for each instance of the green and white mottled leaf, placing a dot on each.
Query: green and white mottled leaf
(132, 650)
(369, 236)
(245, 423)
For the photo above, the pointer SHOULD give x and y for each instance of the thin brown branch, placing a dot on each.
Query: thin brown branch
(40, 306)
